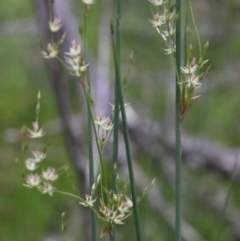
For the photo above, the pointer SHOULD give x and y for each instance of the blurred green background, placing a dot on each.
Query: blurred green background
(26, 215)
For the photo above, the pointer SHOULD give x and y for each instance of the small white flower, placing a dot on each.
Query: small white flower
(88, 202)
(50, 174)
(33, 180)
(124, 207)
(55, 25)
(75, 49)
(118, 219)
(88, 2)
(158, 20)
(81, 70)
(104, 210)
(100, 120)
(31, 164)
(191, 67)
(73, 62)
(36, 132)
(38, 156)
(51, 52)
(109, 214)
(157, 2)
(47, 188)
(193, 81)
(107, 126)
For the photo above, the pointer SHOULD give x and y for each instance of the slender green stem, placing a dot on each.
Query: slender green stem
(70, 194)
(89, 106)
(80, 199)
(178, 154)
(91, 176)
(195, 26)
(116, 102)
(91, 169)
(187, 53)
(90, 137)
(127, 143)
(115, 140)
(85, 14)
(118, 22)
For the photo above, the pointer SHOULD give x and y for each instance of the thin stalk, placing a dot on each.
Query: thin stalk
(126, 141)
(70, 194)
(115, 134)
(90, 135)
(116, 102)
(118, 22)
(186, 37)
(178, 154)
(115, 137)
(51, 17)
(80, 199)
(89, 106)
(91, 174)
(117, 79)
(195, 26)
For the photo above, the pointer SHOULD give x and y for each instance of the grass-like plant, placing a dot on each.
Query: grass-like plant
(168, 21)
(113, 204)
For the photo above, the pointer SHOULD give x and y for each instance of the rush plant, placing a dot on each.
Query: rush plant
(189, 70)
(112, 204)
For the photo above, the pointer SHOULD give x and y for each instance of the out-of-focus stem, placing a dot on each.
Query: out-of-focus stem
(178, 147)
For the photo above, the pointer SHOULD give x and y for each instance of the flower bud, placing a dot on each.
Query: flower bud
(206, 45)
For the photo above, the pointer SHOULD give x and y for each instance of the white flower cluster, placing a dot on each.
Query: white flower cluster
(162, 23)
(114, 208)
(104, 128)
(74, 60)
(118, 212)
(190, 75)
(36, 132)
(88, 202)
(52, 49)
(42, 181)
(189, 72)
